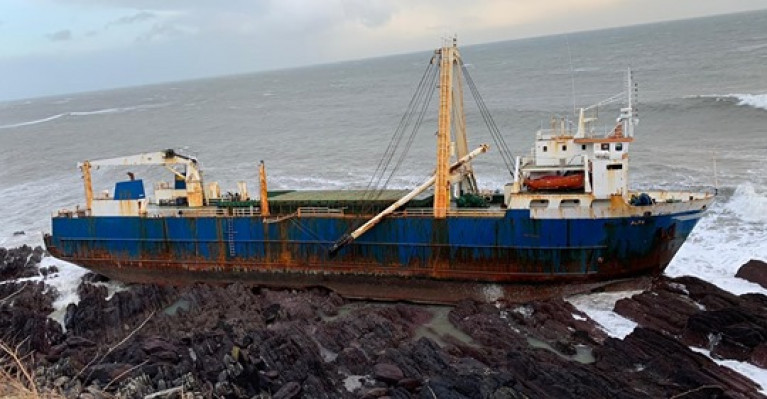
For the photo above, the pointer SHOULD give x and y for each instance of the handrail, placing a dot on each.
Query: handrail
(489, 212)
(301, 212)
(318, 210)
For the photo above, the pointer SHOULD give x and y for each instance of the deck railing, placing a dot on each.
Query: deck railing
(165, 212)
(318, 211)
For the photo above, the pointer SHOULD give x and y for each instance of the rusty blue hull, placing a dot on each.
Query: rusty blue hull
(508, 250)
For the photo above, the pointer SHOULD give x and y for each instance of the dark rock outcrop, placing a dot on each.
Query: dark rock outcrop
(703, 316)
(241, 342)
(754, 271)
(19, 262)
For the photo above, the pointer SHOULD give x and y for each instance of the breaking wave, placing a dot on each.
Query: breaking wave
(115, 110)
(34, 122)
(748, 204)
(758, 101)
(729, 235)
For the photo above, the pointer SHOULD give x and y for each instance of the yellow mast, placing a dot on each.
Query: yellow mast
(262, 184)
(448, 55)
(86, 169)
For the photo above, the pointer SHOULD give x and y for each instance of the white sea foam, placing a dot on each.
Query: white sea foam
(731, 234)
(355, 382)
(748, 204)
(66, 281)
(751, 100)
(82, 113)
(599, 307)
(34, 122)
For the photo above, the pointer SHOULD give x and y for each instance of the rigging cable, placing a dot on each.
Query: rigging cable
(416, 127)
(396, 138)
(500, 142)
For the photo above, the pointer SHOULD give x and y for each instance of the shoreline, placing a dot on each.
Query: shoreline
(239, 341)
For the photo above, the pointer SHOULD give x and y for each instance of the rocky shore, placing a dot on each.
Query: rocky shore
(242, 342)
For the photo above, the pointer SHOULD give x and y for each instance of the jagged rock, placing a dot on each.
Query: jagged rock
(703, 315)
(377, 392)
(372, 329)
(353, 360)
(50, 270)
(107, 372)
(272, 374)
(61, 381)
(636, 360)
(387, 373)
(36, 257)
(754, 271)
(731, 333)
(24, 310)
(272, 312)
(91, 277)
(288, 391)
(410, 384)
(759, 356)
(238, 341)
(152, 345)
(19, 262)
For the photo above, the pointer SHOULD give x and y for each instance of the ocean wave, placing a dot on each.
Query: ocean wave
(33, 122)
(758, 101)
(748, 204)
(81, 113)
(728, 236)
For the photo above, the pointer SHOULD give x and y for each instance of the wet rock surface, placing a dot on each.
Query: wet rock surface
(242, 342)
(702, 315)
(754, 271)
(19, 262)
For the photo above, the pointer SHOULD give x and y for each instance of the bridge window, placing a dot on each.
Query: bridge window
(539, 203)
(618, 146)
(615, 166)
(605, 146)
(569, 203)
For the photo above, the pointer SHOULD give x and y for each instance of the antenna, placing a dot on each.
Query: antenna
(630, 114)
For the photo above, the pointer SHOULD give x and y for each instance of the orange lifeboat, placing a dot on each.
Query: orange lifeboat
(556, 182)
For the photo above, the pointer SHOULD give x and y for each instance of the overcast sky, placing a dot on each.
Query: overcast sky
(60, 46)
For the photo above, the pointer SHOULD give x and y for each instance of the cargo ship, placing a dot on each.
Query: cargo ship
(566, 222)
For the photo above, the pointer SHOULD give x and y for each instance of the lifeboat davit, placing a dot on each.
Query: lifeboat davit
(556, 182)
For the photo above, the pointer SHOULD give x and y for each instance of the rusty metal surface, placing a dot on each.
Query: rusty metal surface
(405, 257)
(448, 274)
(350, 282)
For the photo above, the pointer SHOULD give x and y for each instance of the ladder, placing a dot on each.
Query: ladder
(230, 233)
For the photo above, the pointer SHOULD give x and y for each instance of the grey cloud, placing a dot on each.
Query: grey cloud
(373, 13)
(132, 19)
(160, 31)
(176, 5)
(60, 36)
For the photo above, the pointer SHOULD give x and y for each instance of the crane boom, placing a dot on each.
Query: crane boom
(349, 238)
(192, 175)
(167, 157)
